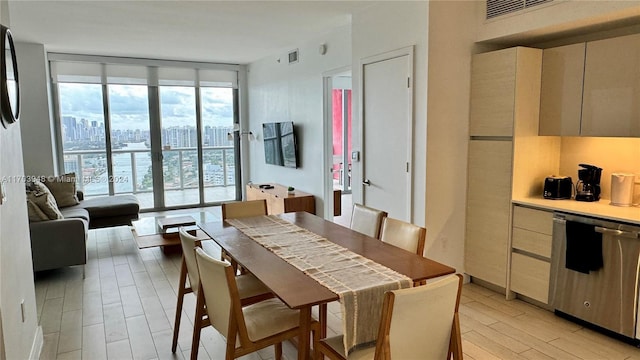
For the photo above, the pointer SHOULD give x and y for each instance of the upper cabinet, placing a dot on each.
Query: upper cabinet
(611, 96)
(561, 93)
(493, 79)
(592, 89)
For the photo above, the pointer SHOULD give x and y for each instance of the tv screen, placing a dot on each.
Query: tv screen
(280, 147)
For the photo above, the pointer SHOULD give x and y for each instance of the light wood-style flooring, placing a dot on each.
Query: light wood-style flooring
(125, 306)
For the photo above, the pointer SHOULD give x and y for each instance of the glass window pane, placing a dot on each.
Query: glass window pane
(130, 140)
(179, 145)
(217, 149)
(83, 135)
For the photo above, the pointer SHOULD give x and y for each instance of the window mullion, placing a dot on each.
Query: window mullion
(107, 136)
(199, 145)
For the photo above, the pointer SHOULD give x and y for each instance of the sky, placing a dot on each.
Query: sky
(129, 105)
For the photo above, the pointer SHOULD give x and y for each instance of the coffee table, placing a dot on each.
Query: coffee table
(163, 230)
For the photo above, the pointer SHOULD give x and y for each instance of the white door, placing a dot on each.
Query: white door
(387, 134)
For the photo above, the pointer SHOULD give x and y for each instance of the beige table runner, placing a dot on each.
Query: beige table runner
(359, 282)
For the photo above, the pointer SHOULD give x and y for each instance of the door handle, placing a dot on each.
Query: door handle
(366, 182)
(616, 232)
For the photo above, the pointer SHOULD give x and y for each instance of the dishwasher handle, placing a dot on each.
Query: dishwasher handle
(616, 232)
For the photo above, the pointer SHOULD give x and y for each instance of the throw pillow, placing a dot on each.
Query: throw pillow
(63, 188)
(42, 197)
(35, 214)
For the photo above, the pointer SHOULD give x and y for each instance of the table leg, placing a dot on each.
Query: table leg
(305, 331)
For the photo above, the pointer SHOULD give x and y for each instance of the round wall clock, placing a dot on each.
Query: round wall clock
(9, 85)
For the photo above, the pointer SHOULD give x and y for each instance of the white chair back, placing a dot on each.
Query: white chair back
(216, 290)
(403, 235)
(366, 220)
(422, 319)
(188, 243)
(240, 209)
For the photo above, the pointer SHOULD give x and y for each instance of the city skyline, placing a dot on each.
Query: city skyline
(129, 104)
(78, 131)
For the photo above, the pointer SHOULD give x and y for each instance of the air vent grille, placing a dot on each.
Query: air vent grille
(502, 7)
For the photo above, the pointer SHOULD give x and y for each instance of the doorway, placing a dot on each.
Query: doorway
(337, 139)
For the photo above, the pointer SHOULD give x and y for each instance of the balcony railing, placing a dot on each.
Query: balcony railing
(180, 169)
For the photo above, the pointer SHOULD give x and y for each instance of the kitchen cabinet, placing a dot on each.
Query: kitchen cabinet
(493, 78)
(530, 277)
(505, 98)
(531, 252)
(488, 203)
(612, 87)
(561, 93)
(592, 88)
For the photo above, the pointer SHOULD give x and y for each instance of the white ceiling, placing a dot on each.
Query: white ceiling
(237, 32)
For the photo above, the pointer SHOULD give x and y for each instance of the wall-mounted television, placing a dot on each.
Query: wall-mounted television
(280, 145)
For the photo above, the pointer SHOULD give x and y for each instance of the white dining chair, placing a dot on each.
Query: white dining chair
(367, 220)
(417, 323)
(404, 235)
(240, 209)
(251, 290)
(250, 328)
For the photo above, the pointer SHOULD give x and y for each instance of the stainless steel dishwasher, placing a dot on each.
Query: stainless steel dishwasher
(607, 296)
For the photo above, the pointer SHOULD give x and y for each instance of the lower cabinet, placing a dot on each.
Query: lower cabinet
(531, 240)
(530, 277)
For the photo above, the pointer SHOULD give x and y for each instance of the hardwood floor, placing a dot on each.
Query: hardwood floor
(124, 309)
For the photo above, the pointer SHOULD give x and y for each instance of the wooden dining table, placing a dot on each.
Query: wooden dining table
(299, 291)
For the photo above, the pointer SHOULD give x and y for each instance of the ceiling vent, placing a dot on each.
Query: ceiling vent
(502, 7)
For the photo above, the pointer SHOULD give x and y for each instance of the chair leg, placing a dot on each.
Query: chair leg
(278, 348)
(455, 344)
(181, 291)
(316, 340)
(197, 325)
(322, 314)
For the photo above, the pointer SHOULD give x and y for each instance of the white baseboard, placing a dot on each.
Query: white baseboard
(38, 342)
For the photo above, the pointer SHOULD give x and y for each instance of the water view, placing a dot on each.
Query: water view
(84, 137)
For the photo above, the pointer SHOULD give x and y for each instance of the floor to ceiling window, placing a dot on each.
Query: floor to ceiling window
(159, 131)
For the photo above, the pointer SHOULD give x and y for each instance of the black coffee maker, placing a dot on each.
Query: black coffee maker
(588, 185)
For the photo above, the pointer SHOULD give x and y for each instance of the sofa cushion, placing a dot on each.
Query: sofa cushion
(35, 214)
(111, 206)
(63, 188)
(75, 213)
(42, 197)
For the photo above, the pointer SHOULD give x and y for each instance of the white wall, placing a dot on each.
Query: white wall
(384, 27)
(450, 48)
(16, 274)
(279, 91)
(37, 128)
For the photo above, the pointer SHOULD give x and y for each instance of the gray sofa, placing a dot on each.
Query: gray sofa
(62, 242)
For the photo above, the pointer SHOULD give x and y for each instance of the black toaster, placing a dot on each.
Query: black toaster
(557, 187)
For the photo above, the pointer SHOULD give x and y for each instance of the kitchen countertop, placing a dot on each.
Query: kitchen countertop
(600, 209)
